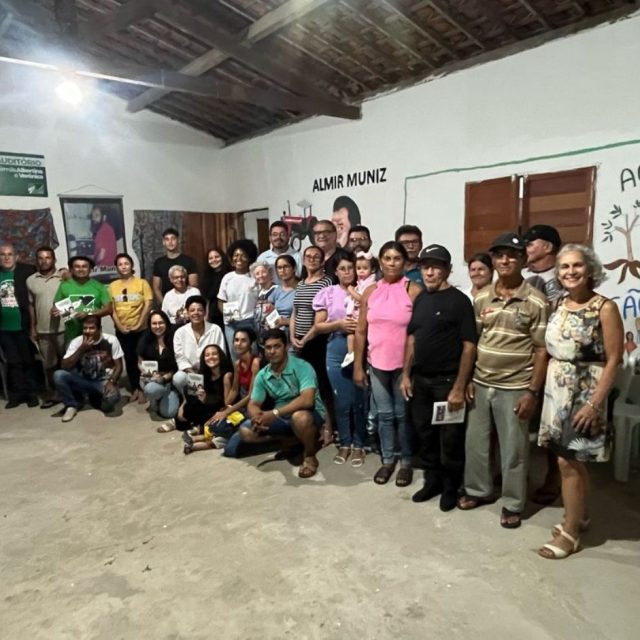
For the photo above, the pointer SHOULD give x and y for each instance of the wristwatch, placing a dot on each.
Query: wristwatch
(276, 413)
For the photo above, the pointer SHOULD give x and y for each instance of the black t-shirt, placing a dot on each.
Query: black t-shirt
(441, 321)
(162, 265)
(148, 350)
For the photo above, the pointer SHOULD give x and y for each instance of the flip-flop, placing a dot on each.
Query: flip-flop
(165, 427)
(309, 468)
(404, 477)
(384, 473)
(510, 519)
(467, 502)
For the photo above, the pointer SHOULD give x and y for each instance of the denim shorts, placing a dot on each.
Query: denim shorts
(283, 427)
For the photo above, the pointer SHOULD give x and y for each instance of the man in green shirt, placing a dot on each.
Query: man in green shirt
(88, 296)
(298, 412)
(15, 326)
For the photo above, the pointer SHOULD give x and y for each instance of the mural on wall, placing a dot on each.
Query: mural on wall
(346, 214)
(623, 221)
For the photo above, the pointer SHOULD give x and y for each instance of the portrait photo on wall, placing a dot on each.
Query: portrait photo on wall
(94, 227)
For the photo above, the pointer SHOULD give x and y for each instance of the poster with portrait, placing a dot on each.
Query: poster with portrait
(94, 227)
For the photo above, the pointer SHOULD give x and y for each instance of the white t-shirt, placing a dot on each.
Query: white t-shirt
(239, 288)
(173, 304)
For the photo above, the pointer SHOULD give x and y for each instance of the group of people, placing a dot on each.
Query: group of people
(382, 351)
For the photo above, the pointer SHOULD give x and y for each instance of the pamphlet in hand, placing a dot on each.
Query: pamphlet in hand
(231, 311)
(149, 367)
(442, 415)
(67, 308)
(194, 380)
(272, 319)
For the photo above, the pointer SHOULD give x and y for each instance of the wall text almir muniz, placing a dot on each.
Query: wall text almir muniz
(355, 179)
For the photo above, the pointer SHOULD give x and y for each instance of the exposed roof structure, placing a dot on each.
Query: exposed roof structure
(238, 68)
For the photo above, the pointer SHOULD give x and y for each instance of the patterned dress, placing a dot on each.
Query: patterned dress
(574, 341)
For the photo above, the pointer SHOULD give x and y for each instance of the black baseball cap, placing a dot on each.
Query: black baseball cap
(510, 240)
(543, 232)
(435, 252)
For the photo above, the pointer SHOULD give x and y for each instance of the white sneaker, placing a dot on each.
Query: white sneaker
(348, 359)
(69, 414)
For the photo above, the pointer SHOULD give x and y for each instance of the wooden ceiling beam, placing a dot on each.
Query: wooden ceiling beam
(262, 28)
(536, 14)
(458, 21)
(119, 20)
(424, 30)
(412, 51)
(495, 12)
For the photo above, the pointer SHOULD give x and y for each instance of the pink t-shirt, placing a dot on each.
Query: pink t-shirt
(331, 299)
(388, 315)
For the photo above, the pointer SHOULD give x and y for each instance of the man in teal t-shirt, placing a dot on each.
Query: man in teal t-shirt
(15, 328)
(87, 295)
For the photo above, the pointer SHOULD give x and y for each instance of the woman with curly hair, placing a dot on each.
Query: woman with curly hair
(238, 295)
(585, 341)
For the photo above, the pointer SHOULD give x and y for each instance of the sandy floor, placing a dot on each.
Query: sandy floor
(109, 531)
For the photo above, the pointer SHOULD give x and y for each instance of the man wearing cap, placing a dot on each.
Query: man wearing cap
(439, 356)
(511, 318)
(543, 243)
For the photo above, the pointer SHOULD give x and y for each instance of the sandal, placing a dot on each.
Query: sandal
(342, 456)
(186, 438)
(583, 526)
(165, 427)
(309, 467)
(384, 473)
(404, 477)
(357, 457)
(467, 502)
(510, 519)
(551, 551)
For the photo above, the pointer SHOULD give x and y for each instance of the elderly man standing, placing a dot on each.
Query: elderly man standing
(15, 328)
(439, 356)
(46, 331)
(511, 317)
(279, 239)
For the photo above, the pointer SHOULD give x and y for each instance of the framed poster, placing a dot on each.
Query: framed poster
(94, 227)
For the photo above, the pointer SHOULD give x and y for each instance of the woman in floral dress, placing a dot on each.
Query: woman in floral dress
(585, 341)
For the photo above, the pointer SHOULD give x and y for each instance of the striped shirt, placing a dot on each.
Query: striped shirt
(303, 304)
(509, 333)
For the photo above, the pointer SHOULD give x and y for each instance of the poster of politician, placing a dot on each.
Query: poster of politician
(94, 227)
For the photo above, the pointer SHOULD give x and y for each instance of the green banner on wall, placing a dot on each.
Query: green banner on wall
(22, 174)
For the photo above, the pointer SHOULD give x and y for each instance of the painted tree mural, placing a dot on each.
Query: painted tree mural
(609, 226)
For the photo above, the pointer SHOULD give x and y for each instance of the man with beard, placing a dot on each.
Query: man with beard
(105, 244)
(359, 239)
(279, 239)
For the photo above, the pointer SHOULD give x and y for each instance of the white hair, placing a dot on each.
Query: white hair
(595, 272)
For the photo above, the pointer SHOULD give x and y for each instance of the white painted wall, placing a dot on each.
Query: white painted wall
(575, 93)
(151, 161)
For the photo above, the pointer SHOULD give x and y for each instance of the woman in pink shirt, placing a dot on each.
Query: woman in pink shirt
(385, 312)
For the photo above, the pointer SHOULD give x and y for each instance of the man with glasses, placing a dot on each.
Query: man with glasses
(511, 318)
(359, 239)
(325, 236)
(279, 239)
(410, 237)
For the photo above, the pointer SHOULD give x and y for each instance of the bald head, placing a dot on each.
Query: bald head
(7, 257)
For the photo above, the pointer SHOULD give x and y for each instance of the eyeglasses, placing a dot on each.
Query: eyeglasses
(323, 232)
(315, 257)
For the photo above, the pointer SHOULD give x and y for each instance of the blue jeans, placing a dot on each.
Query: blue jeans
(348, 397)
(391, 406)
(230, 329)
(72, 385)
(164, 395)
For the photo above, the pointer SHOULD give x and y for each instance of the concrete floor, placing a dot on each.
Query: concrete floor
(108, 531)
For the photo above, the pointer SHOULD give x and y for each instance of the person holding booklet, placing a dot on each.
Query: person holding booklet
(157, 365)
(206, 393)
(439, 355)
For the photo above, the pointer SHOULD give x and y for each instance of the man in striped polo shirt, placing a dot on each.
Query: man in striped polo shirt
(511, 317)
